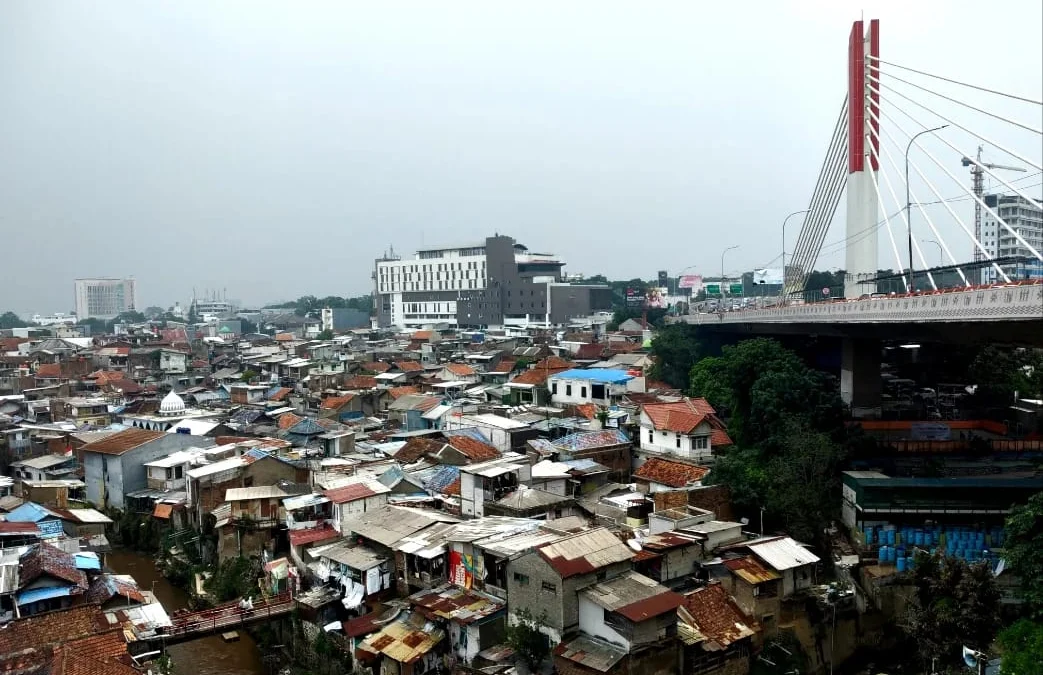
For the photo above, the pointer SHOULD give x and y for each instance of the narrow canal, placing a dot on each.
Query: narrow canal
(207, 656)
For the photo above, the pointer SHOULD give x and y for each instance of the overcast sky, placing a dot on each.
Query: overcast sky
(275, 149)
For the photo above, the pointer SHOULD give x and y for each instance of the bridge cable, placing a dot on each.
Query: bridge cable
(946, 79)
(959, 221)
(984, 206)
(998, 146)
(923, 212)
(890, 234)
(957, 102)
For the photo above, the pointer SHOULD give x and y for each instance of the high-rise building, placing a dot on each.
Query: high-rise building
(493, 283)
(104, 298)
(1023, 218)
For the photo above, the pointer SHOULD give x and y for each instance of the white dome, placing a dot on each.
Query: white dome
(172, 404)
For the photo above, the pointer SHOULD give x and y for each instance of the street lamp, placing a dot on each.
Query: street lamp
(722, 270)
(785, 220)
(941, 261)
(908, 223)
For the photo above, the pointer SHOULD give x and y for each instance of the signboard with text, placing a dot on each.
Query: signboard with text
(735, 289)
(713, 289)
(692, 281)
(635, 297)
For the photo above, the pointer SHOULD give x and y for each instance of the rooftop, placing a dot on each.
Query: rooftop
(348, 553)
(782, 553)
(634, 595)
(679, 416)
(602, 375)
(672, 474)
(716, 617)
(584, 552)
(359, 488)
(456, 604)
(123, 441)
(591, 652)
(403, 641)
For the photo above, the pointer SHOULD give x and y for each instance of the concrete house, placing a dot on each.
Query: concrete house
(353, 497)
(115, 465)
(688, 429)
(491, 481)
(173, 361)
(660, 475)
(633, 613)
(548, 578)
(601, 386)
(718, 637)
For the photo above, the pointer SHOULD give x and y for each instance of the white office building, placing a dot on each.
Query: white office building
(1027, 221)
(104, 298)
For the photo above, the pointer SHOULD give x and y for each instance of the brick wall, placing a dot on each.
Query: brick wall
(716, 498)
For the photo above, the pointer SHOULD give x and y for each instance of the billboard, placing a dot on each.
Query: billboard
(693, 281)
(770, 277)
(656, 298)
(664, 278)
(635, 297)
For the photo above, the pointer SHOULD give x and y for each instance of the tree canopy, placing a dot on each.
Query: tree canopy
(1022, 646)
(676, 349)
(306, 304)
(12, 320)
(956, 604)
(1001, 371)
(1023, 551)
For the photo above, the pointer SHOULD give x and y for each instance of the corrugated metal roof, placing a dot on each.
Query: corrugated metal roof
(46, 593)
(586, 440)
(783, 553)
(456, 604)
(402, 641)
(633, 595)
(716, 616)
(585, 552)
(606, 375)
(751, 570)
(256, 492)
(591, 653)
(348, 553)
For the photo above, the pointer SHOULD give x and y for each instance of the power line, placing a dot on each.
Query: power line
(964, 84)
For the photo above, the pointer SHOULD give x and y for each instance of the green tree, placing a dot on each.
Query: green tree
(193, 314)
(153, 312)
(527, 641)
(249, 375)
(1023, 551)
(1001, 371)
(96, 326)
(325, 335)
(12, 320)
(675, 349)
(955, 605)
(234, 578)
(1022, 647)
(247, 326)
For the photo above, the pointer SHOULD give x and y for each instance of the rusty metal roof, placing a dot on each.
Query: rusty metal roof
(634, 595)
(123, 441)
(750, 570)
(584, 552)
(672, 474)
(591, 652)
(456, 604)
(402, 641)
(716, 617)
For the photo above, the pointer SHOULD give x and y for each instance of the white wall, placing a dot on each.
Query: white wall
(592, 622)
(654, 440)
(350, 510)
(470, 494)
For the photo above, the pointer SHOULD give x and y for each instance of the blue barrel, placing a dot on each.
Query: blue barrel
(918, 538)
(901, 563)
(882, 557)
(890, 537)
(910, 562)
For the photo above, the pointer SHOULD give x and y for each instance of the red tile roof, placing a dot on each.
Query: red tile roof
(423, 334)
(409, 366)
(38, 633)
(399, 392)
(102, 654)
(45, 559)
(287, 420)
(460, 369)
(280, 394)
(418, 447)
(312, 534)
(336, 402)
(672, 474)
(681, 416)
(554, 363)
(590, 351)
(718, 616)
(473, 449)
(504, 366)
(349, 493)
(49, 370)
(376, 367)
(653, 606)
(361, 382)
(453, 488)
(123, 441)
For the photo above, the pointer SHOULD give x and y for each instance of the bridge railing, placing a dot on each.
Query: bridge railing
(226, 615)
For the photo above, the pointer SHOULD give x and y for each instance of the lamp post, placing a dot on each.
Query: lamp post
(722, 270)
(908, 223)
(784, 221)
(941, 260)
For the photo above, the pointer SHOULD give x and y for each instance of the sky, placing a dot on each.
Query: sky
(274, 149)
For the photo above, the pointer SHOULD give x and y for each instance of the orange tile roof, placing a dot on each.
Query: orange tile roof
(376, 367)
(423, 335)
(49, 370)
(336, 402)
(123, 441)
(588, 410)
(717, 616)
(453, 488)
(361, 382)
(399, 392)
(554, 363)
(590, 351)
(289, 419)
(460, 369)
(49, 628)
(280, 394)
(504, 366)
(473, 449)
(409, 366)
(681, 416)
(284, 337)
(672, 474)
(418, 447)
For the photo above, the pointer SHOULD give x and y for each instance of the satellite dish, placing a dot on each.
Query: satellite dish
(634, 544)
(970, 657)
(744, 521)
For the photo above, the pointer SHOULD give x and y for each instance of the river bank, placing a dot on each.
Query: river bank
(207, 656)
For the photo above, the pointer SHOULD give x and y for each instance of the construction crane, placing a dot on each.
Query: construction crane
(978, 184)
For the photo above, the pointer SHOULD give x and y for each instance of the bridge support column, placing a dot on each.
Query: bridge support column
(860, 385)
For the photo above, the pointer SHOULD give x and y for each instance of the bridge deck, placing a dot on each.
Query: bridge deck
(1010, 302)
(210, 621)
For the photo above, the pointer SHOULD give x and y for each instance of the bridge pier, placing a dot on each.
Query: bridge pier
(860, 385)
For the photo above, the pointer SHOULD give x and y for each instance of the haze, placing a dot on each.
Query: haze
(275, 149)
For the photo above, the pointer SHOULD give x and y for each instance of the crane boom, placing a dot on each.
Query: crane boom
(978, 186)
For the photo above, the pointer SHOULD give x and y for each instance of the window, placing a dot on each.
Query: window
(678, 440)
(521, 579)
(601, 575)
(549, 587)
(651, 436)
(582, 392)
(568, 390)
(701, 442)
(553, 387)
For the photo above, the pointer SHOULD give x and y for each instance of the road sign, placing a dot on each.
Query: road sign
(735, 289)
(713, 289)
(825, 291)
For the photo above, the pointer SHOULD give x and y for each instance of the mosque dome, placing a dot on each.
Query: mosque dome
(172, 404)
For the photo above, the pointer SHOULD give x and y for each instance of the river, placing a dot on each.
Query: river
(206, 656)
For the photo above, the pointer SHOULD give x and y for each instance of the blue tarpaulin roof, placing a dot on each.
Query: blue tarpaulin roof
(87, 561)
(441, 479)
(38, 594)
(30, 512)
(605, 375)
